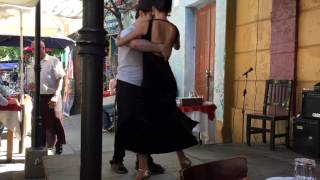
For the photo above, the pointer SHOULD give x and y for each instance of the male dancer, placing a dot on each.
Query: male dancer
(129, 79)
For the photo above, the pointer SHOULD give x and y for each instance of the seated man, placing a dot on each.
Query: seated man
(108, 109)
(3, 102)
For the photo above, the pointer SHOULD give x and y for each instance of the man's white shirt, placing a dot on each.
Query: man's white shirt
(129, 62)
(51, 70)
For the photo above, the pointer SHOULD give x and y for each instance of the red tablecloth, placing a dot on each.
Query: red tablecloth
(12, 105)
(205, 108)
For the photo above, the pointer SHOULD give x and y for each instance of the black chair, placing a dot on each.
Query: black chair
(227, 169)
(277, 107)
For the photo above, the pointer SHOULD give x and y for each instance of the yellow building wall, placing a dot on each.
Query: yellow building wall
(252, 49)
(308, 62)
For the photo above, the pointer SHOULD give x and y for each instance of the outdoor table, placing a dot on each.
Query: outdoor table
(10, 116)
(205, 115)
(106, 93)
(108, 98)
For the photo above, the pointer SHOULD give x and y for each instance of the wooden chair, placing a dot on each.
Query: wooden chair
(228, 169)
(276, 107)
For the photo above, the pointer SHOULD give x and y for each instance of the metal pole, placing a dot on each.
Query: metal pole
(243, 106)
(91, 53)
(37, 119)
(21, 142)
(21, 56)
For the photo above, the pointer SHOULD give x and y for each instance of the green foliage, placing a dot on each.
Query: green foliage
(14, 53)
(56, 52)
(11, 52)
(2, 53)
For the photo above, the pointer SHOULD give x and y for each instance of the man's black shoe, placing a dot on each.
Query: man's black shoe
(111, 128)
(118, 167)
(59, 149)
(153, 168)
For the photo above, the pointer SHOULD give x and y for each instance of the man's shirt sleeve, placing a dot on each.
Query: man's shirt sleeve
(58, 69)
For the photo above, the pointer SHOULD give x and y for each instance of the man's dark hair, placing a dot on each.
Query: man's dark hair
(144, 5)
(162, 5)
(137, 14)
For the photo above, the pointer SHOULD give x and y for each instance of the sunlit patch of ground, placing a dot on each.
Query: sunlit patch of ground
(17, 163)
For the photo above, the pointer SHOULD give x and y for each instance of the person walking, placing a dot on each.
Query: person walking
(107, 109)
(163, 128)
(128, 88)
(51, 79)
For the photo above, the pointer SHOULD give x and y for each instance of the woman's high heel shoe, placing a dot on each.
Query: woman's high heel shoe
(142, 174)
(186, 163)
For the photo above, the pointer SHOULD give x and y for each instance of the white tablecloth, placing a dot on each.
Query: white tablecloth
(11, 120)
(205, 126)
(108, 100)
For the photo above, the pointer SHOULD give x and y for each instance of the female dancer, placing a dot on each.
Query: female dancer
(161, 126)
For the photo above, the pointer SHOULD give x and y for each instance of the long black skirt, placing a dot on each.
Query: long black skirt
(157, 126)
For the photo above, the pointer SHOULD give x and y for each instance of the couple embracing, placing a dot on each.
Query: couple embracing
(149, 122)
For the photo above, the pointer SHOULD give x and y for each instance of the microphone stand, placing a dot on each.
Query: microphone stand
(243, 104)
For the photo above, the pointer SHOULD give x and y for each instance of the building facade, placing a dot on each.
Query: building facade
(277, 38)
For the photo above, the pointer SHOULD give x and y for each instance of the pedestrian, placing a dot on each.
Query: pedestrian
(164, 128)
(129, 78)
(51, 80)
(108, 108)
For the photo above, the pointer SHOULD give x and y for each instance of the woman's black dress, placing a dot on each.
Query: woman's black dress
(160, 126)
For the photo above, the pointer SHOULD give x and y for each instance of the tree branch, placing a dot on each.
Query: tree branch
(117, 11)
(111, 10)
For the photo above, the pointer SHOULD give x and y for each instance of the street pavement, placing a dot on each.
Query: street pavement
(262, 163)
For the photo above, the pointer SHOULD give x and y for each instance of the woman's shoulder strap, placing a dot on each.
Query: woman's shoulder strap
(173, 25)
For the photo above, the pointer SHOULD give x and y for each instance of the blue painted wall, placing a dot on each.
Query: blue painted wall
(220, 57)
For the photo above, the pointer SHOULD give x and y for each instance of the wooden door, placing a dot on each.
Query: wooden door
(205, 31)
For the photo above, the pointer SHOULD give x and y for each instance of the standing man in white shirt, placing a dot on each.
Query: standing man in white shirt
(51, 79)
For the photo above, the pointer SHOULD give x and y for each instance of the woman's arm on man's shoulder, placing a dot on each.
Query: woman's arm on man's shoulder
(141, 28)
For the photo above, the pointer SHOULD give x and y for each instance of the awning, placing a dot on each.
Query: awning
(28, 3)
(50, 42)
(9, 66)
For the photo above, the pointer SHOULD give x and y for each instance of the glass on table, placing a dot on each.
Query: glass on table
(304, 169)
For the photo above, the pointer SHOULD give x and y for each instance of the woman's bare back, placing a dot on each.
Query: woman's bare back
(163, 32)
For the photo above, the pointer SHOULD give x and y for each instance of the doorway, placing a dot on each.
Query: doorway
(204, 62)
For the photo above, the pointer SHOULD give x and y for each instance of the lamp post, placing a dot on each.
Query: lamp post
(37, 119)
(91, 53)
(34, 155)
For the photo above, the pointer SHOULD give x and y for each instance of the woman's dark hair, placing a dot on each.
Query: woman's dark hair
(163, 5)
